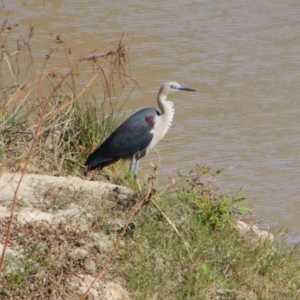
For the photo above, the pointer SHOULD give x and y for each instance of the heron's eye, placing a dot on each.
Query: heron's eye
(172, 86)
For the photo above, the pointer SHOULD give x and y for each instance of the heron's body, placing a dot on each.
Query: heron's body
(138, 134)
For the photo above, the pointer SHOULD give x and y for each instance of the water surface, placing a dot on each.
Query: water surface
(243, 57)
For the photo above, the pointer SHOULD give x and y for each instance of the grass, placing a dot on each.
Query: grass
(218, 264)
(44, 114)
(206, 257)
(170, 253)
(175, 242)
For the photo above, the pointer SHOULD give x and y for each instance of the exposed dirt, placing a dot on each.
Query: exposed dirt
(58, 215)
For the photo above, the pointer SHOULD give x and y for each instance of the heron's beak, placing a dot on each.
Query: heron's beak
(182, 88)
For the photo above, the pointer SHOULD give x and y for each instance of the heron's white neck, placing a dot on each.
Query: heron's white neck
(163, 121)
(166, 108)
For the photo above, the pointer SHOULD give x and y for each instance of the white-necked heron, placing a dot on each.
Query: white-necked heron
(138, 134)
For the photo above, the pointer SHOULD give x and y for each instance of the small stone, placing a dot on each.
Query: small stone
(79, 253)
(90, 266)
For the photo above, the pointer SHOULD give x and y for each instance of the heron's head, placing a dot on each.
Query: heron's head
(172, 87)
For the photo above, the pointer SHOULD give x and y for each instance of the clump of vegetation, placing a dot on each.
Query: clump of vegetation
(53, 121)
(178, 242)
(210, 206)
(187, 246)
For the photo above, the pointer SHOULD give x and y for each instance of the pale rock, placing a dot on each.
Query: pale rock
(100, 290)
(79, 253)
(34, 188)
(251, 228)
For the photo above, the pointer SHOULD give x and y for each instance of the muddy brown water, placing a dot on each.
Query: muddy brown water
(243, 57)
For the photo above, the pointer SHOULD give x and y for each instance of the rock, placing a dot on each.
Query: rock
(102, 242)
(251, 228)
(44, 189)
(74, 212)
(79, 253)
(100, 290)
(114, 291)
(90, 266)
(4, 212)
(10, 251)
(30, 215)
(49, 199)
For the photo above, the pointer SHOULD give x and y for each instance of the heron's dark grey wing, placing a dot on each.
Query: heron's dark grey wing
(134, 135)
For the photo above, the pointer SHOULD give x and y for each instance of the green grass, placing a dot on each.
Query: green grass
(65, 140)
(207, 260)
(1, 154)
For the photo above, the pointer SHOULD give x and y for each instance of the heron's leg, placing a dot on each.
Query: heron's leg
(136, 168)
(133, 161)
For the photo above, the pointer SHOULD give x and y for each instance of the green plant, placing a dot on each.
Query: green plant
(187, 246)
(210, 205)
(1, 153)
(26, 269)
